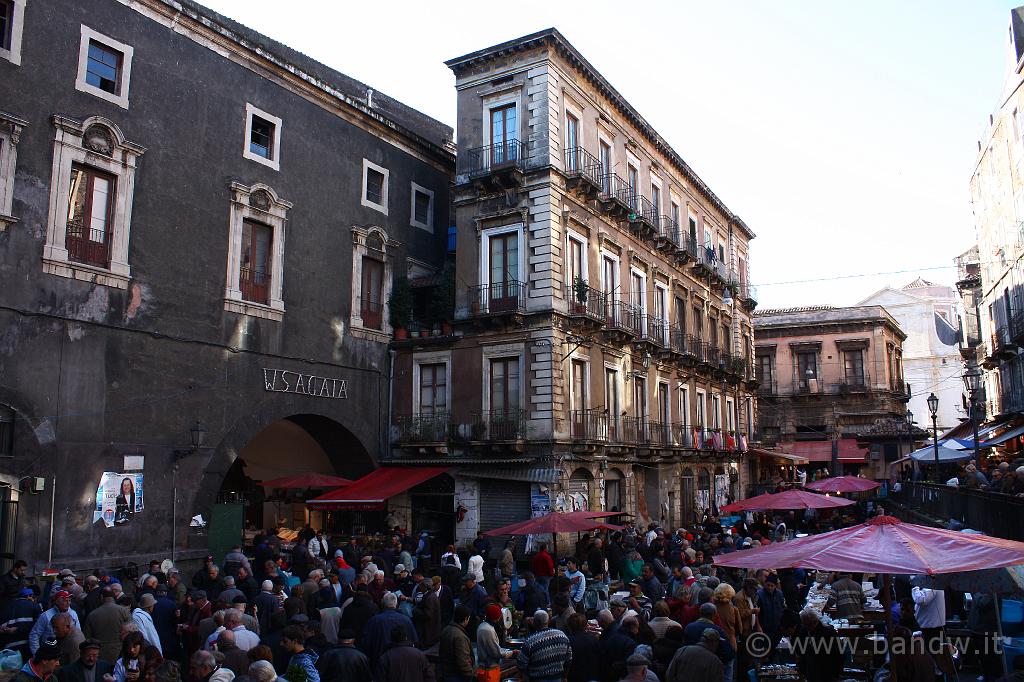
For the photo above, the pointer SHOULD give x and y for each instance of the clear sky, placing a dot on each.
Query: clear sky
(844, 133)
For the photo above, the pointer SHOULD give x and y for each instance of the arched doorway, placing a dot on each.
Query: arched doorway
(578, 490)
(703, 498)
(687, 496)
(613, 483)
(303, 443)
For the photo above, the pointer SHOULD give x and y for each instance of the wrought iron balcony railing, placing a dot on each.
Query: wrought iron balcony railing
(492, 425)
(655, 331)
(579, 163)
(424, 427)
(497, 298)
(588, 425)
(586, 301)
(623, 317)
(490, 158)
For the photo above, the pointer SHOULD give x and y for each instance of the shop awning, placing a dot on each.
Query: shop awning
(527, 474)
(771, 454)
(821, 450)
(1003, 437)
(374, 489)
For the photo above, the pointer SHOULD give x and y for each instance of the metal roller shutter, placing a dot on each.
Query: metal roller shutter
(503, 503)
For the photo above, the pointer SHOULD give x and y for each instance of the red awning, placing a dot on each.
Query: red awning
(821, 450)
(372, 490)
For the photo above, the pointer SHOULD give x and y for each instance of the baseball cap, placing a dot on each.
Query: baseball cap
(62, 594)
(399, 568)
(617, 601)
(26, 592)
(199, 594)
(66, 573)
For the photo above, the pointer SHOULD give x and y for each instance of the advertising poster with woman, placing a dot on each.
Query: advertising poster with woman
(119, 497)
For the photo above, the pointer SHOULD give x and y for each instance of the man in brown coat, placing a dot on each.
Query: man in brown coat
(455, 655)
(697, 663)
(104, 623)
(426, 615)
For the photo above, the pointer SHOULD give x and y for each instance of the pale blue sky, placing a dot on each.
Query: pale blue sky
(843, 133)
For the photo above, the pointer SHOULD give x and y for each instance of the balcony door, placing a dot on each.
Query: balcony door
(611, 398)
(606, 167)
(503, 271)
(504, 394)
(254, 274)
(610, 285)
(578, 399)
(433, 389)
(572, 142)
(664, 412)
(371, 302)
(633, 179)
(503, 134)
(853, 366)
(806, 370)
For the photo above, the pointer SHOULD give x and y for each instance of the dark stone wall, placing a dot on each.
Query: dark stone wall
(95, 372)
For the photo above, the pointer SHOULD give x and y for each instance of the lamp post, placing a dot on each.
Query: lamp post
(933, 407)
(972, 382)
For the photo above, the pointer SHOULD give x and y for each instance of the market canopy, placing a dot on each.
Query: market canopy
(884, 544)
(374, 489)
(843, 484)
(307, 480)
(1003, 437)
(557, 522)
(946, 454)
(789, 499)
(775, 454)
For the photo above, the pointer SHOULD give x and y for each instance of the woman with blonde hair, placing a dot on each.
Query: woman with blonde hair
(728, 615)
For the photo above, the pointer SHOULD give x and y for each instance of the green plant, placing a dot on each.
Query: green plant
(580, 290)
(400, 303)
(442, 301)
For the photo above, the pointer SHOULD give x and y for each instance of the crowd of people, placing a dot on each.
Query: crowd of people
(637, 604)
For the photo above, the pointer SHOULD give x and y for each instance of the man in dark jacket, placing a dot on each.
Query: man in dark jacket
(532, 597)
(772, 603)
(403, 662)
(104, 624)
(693, 633)
(165, 620)
(361, 610)
(344, 663)
(41, 666)
(266, 604)
(235, 660)
(88, 664)
(378, 631)
(819, 657)
(455, 654)
(586, 651)
(18, 618)
(12, 582)
(426, 615)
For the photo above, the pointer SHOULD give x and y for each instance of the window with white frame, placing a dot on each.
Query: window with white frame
(104, 67)
(256, 238)
(684, 406)
(580, 377)
(501, 269)
(716, 411)
(421, 209)
(656, 194)
(375, 186)
(92, 187)
(10, 134)
(730, 415)
(431, 379)
(638, 290)
(12, 23)
(262, 142)
(661, 309)
(700, 420)
(372, 277)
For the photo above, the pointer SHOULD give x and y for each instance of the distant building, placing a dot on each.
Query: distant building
(928, 314)
(826, 376)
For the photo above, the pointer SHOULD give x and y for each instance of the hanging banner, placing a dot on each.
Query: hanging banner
(119, 497)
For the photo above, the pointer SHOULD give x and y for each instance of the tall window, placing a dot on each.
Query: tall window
(765, 370)
(664, 405)
(698, 323)
(693, 232)
(433, 388)
(371, 305)
(661, 311)
(610, 284)
(503, 134)
(421, 207)
(712, 333)
(701, 420)
(640, 398)
(680, 312)
(504, 385)
(684, 406)
(806, 368)
(636, 282)
(611, 400)
(579, 385)
(606, 166)
(730, 415)
(503, 271)
(254, 275)
(572, 141)
(716, 411)
(6, 23)
(7, 418)
(633, 179)
(374, 186)
(675, 215)
(853, 365)
(656, 198)
(90, 216)
(576, 256)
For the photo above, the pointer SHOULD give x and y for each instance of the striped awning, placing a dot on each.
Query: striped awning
(528, 474)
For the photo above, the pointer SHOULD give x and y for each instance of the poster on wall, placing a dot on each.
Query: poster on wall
(721, 491)
(540, 504)
(119, 497)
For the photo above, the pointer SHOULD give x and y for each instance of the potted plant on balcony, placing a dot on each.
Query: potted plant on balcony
(580, 291)
(442, 301)
(400, 307)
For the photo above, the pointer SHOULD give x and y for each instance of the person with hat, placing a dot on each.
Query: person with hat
(104, 624)
(68, 637)
(403, 662)
(489, 652)
(698, 663)
(771, 603)
(473, 597)
(202, 609)
(42, 629)
(344, 663)
(143, 617)
(19, 617)
(426, 611)
(89, 667)
(41, 666)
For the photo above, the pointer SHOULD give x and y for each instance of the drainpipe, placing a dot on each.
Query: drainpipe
(387, 417)
(53, 506)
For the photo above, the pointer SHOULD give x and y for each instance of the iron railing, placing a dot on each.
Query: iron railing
(255, 286)
(682, 435)
(668, 229)
(497, 298)
(371, 312)
(490, 158)
(655, 330)
(711, 355)
(679, 342)
(588, 425)
(992, 513)
(643, 210)
(499, 425)
(697, 347)
(585, 301)
(579, 163)
(634, 430)
(91, 247)
(423, 428)
(622, 316)
(618, 190)
(1016, 326)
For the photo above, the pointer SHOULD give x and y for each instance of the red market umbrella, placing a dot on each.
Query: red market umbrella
(308, 480)
(843, 484)
(884, 544)
(556, 522)
(790, 499)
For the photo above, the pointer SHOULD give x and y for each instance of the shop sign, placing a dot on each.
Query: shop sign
(286, 381)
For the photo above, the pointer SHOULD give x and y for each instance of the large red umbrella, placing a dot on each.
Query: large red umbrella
(883, 545)
(843, 484)
(308, 480)
(790, 499)
(557, 522)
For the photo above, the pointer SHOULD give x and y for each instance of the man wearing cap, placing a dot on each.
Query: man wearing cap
(20, 616)
(176, 589)
(772, 603)
(489, 652)
(104, 625)
(89, 667)
(41, 666)
(473, 597)
(201, 610)
(344, 663)
(42, 630)
(143, 617)
(68, 637)
(698, 663)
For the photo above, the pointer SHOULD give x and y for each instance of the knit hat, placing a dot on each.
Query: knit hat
(493, 612)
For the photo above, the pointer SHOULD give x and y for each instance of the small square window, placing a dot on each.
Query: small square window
(375, 187)
(262, 137)
(103, 67)
(422, 212)
(422, 207)
(6, 23)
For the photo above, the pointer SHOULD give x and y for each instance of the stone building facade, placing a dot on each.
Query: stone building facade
(600, 355)
(199, 228)
(826, 376)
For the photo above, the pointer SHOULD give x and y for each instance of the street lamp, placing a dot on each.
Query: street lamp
(933, 407)
(972, 382)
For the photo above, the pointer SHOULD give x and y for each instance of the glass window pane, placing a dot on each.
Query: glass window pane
(100, 208)
(102, 67)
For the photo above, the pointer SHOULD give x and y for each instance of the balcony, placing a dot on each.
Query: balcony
(767, 387)
(808, 386)
(1016, 328)
(735, 368)
(92, 247)
(370, 311)
(423, 428)
(704, 261)
(588, 426)
(583, 172)
(1002, 345)
(668, 234)
(686, 248)
(586, 304)
(682, 435)
(659, 434)
(695, 346)
(498, 425)
(498, 299)
(654, 331)
(643, 217)
(853, 383)
(616, 198)
(712, 356)
(497, 166)
(622, 320)
(679, 344)
(747, 295)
